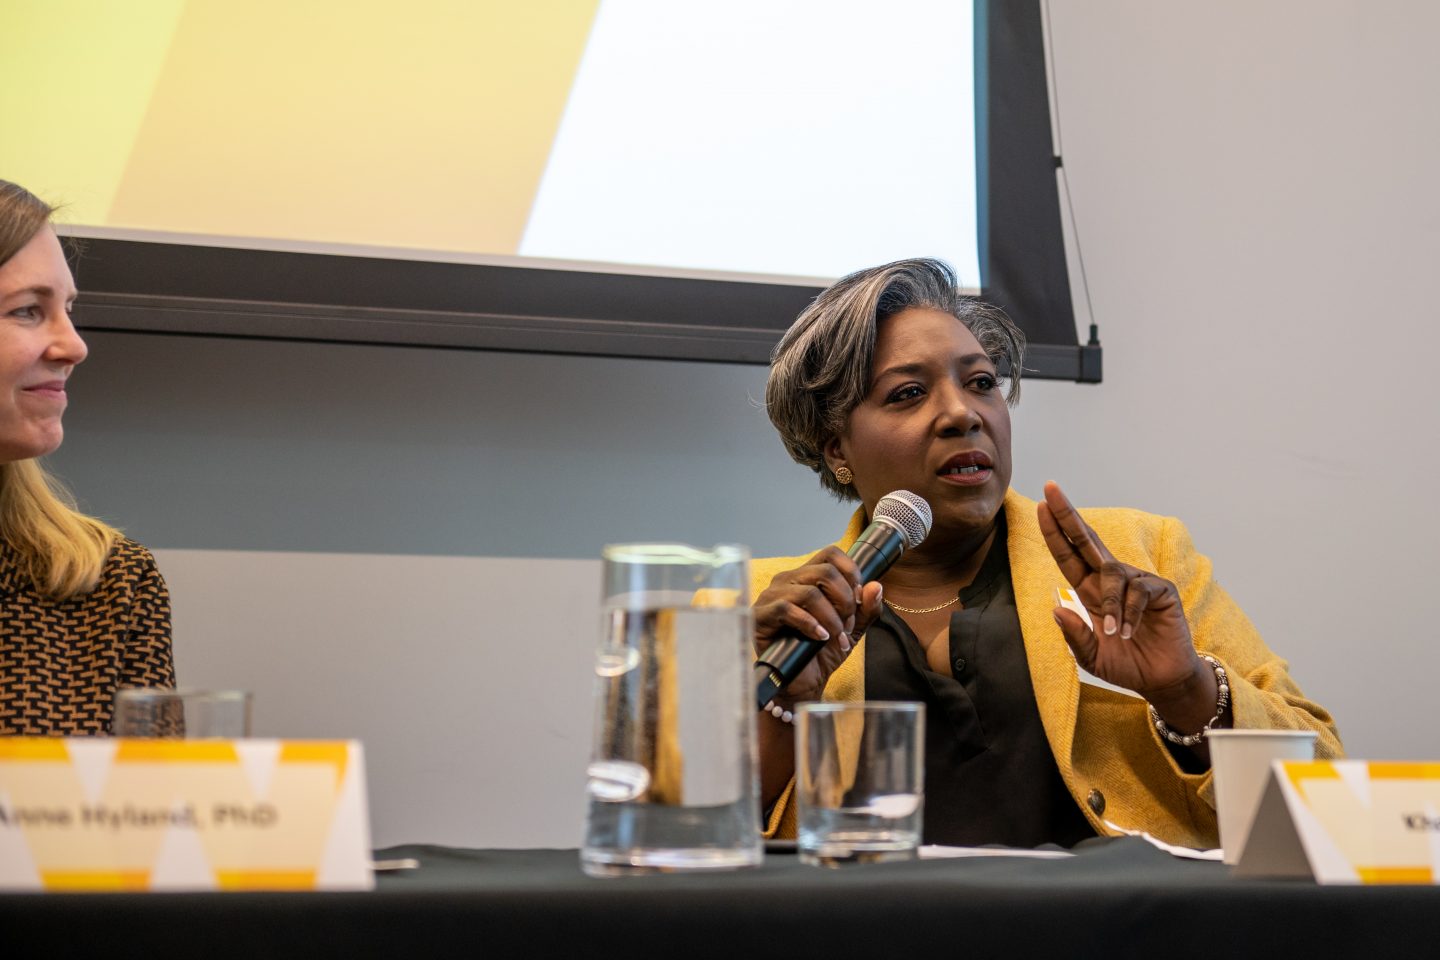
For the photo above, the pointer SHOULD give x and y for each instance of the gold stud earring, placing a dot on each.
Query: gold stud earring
(843, 476)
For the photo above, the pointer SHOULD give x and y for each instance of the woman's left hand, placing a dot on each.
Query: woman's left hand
(1142, 641)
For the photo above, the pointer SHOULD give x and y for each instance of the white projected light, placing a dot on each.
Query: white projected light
(756, 137)
(777, 141)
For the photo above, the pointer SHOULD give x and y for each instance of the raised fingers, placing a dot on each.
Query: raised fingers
(1074, 528)
(1145, 592)
(1114, 585)
(1067, 557)
(1081, 638)
(1126, 592)
(1074, 545)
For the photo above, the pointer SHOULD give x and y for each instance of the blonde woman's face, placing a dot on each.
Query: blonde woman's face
(39, 347)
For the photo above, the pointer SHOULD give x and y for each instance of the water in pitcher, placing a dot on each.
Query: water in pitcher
(671, 784)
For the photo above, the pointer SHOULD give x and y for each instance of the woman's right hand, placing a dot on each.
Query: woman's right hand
(822, 600)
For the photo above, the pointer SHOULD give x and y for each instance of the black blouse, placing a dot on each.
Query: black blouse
(989, 774)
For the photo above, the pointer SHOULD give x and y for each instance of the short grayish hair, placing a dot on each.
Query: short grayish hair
(821, 368)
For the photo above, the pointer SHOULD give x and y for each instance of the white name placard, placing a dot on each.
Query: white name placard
(100, 813)
(1347, 821)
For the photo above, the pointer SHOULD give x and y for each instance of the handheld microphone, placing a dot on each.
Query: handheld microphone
(901, 521)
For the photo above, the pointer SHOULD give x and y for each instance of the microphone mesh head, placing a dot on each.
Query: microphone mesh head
(909, 512)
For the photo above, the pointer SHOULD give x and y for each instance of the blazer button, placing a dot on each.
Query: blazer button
(1096, 800)
(959, 664)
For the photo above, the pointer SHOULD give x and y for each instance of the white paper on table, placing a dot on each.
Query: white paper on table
(1186, 853)
(932, 851)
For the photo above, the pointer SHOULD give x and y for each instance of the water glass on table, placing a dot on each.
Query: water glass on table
(859, 781)
(156, 712)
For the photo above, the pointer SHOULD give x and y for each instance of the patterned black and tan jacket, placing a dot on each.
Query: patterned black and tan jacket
(61, 662)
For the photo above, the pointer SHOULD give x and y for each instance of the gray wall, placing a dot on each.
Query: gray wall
(1252, 184)
(246, 445)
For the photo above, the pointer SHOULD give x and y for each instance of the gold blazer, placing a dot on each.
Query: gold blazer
(1110, 756)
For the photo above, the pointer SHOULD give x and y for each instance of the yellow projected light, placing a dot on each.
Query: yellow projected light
(75, 82)
(311, 121)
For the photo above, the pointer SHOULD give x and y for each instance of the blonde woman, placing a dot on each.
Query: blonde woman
(83, 610)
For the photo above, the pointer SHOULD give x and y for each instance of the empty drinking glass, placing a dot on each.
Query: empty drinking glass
(181, 714)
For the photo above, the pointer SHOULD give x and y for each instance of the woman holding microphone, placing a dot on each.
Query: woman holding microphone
(892, 380)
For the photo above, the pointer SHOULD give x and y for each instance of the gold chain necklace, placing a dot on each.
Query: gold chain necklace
(942, 606)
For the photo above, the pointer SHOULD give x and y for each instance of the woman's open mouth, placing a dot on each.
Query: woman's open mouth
(968, 469)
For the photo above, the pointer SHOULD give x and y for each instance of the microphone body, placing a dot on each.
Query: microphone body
(901, 521)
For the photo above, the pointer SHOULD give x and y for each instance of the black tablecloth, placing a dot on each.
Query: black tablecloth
(1116, 898)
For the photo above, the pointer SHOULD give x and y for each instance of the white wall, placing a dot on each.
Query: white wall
(467, 678)
(1255, 193)
(1252, 185)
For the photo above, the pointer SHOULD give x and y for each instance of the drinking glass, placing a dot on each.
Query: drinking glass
(859, 779)
(155, 712)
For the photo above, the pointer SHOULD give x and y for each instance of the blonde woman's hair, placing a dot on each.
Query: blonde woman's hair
(61, 550)
(820, 369)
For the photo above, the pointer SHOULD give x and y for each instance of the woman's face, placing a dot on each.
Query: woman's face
(934, 422)
(38, 347)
